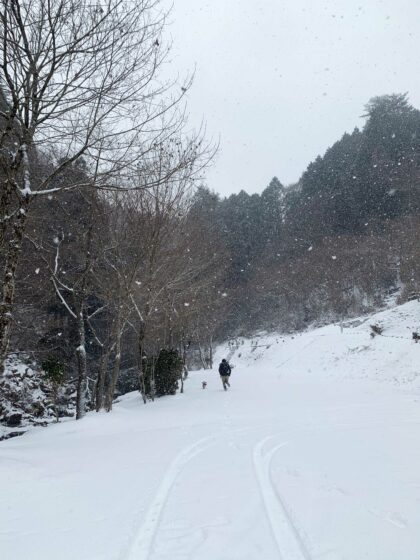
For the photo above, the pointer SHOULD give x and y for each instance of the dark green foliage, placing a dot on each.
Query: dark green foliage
(53, 370)
(168, 370)
(162, 373)
(369, 174)
(327, 204)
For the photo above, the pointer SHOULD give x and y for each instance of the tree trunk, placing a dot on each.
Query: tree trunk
(211, 352)
(100, 383)
(184, 372)
(81, 349)
(142, 384)
(82, 368)
(55, 401)
(115, 373)
(153, 380)
(200, 350)
(6, 196)
(14, 247)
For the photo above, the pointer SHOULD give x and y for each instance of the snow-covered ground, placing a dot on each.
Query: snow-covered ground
(313, 454)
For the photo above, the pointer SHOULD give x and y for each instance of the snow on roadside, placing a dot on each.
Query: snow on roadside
(306, 456)
(346, 350)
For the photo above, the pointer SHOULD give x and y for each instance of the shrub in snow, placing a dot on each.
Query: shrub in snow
(28, 397)
(53, 371)
(168, 370)
(162, 373)
(376, 329)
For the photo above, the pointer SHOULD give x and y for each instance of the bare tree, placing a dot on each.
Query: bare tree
(182, 266)
(73, 294)
(78, 79)
(119, 262)
(160, 210)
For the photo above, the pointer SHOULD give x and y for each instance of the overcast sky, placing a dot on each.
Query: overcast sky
(281, 80)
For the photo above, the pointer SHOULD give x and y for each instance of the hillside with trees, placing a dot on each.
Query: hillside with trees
(129, 274)
(336, 244)
(120, 267)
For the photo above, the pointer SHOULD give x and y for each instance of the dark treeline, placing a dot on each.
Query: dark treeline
(336, 244)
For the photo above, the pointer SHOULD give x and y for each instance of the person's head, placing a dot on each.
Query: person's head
(224, 361)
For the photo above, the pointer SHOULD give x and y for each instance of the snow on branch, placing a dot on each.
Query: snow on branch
(63, 301)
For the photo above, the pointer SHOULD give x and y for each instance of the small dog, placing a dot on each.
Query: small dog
(204, 384)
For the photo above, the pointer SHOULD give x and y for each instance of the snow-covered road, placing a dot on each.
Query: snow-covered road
(307, 457)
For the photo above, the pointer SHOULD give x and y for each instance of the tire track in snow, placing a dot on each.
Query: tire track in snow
(141, 546)
(289, 542)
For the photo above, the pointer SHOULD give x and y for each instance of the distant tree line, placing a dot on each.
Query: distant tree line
(339, 242)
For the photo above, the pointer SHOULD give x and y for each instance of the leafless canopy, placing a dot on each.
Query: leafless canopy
(80, 78)
(80, 82)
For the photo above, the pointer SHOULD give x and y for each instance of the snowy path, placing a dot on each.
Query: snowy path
(305, 458)
(285, 531)
(131, 491)
(143, 540)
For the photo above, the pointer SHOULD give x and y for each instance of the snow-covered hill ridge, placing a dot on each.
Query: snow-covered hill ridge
(347, 350)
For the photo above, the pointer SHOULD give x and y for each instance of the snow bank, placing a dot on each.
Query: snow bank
(346, 350)
(312, 453)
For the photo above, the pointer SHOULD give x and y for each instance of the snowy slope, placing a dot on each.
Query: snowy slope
(313, 453)
(344, 351)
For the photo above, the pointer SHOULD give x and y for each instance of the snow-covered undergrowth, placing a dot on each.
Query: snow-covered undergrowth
(26, 399)
(313, 453)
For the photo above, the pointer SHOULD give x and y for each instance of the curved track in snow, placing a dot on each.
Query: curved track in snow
(289, 542)
(142, 543)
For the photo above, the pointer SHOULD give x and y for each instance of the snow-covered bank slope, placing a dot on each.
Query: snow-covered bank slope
(342, 351)
(306, 457)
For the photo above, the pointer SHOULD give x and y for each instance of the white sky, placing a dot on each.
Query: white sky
(279, 81)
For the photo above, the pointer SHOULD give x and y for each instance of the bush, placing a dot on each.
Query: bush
(168, 370)
(161, 373)
(376, 329)
(53, 371)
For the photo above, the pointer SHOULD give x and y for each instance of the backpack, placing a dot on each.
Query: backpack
(224, 368)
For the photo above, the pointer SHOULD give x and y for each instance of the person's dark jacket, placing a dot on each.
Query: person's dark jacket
(224, 368)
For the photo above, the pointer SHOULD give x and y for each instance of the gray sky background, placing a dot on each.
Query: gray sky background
(281, 80)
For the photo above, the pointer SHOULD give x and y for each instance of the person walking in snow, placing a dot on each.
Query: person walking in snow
(225, 371)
